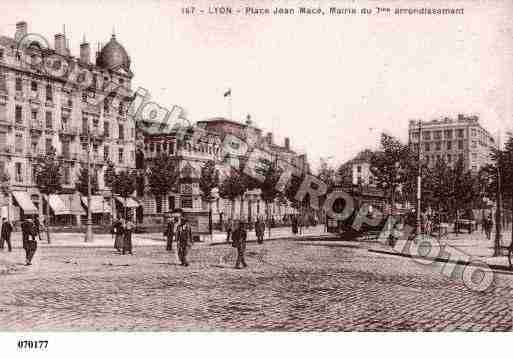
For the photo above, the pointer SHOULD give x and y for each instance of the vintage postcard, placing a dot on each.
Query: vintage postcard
(255, 166)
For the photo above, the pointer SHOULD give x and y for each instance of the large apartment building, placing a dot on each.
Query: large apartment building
(40, 112)
(191, 156)
(452, 139)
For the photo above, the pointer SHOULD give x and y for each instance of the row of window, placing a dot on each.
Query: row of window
(34, 115)
(107, 102)
(170, 148)
(185, 202)
(19, 145)
(437, 146)
(449, 158)
(447, 134)
(437, 135)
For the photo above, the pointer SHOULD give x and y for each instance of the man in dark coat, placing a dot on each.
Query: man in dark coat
(117, 231)
(239, 236)
(5, 235)
(183, 241)
(169, 233)
(37, 227)
(29, 239)
(260, 230)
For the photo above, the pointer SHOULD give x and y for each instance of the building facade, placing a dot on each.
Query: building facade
(452, 139)
(40, 112)
(189, 158)
(253, 206)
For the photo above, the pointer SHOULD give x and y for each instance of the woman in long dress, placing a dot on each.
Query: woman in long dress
(127, 238)
(117, 230)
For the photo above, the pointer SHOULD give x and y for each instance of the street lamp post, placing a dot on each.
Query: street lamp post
(498, 215)
(419, 180)
(89, 223)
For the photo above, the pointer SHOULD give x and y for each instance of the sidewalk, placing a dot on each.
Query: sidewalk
(76, 239)
(276, 233)
(475, 245)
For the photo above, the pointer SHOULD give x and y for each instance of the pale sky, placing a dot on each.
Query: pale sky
(330, 83)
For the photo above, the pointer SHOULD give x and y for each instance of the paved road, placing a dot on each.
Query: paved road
(288, 286)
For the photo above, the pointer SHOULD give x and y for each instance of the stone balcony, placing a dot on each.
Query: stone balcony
(68, 131)
(7, 150)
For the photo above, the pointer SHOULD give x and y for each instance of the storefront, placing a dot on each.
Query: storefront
(100, 209)
(126, 207)
(23, 206)
(66, 209)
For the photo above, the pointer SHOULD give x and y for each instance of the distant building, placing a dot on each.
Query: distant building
(253, 135)
(357, 170)
(452, 139)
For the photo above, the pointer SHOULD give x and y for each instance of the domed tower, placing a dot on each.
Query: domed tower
(113, 56)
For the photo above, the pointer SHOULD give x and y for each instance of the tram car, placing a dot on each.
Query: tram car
(374, 202)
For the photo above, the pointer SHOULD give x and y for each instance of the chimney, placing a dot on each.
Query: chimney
(269, 138)
(287, 143)
(85, 52)
(21, 30)
(60, 44)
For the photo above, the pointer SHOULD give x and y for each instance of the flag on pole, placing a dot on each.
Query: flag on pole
(228, 93)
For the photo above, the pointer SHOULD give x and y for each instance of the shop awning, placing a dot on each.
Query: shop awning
(57, 205)
(63, 204)
(98, 204)
(25, 202)
(130, 202)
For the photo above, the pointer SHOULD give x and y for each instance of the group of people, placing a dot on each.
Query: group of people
(122, 231)
(31, 230)
(179, 229)
(298, 223)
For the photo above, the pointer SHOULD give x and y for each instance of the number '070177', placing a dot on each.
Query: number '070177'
(32, 344)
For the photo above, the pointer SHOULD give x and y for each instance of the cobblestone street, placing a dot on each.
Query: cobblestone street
(288, 286)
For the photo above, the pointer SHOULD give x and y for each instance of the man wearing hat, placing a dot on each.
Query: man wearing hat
(239, 242)
(169, 232)
(183, 241)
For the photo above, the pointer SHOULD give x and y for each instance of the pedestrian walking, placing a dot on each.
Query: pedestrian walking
(127, 237)
(229, 225)
(117, 231)
(294, 224)
(37, 226)
(45, 228)
(169, 232)
(183, 241)
(5, 235)
(29, 240)
(239, 237)
(260, 230)
(300, 224)
(488, 224)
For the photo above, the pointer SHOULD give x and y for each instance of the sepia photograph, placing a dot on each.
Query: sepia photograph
(264, 167)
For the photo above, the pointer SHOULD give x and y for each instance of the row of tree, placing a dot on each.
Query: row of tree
(446, 187)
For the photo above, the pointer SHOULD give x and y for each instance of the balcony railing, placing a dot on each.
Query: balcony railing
(7, 149)
(68, 131)
(36, 127)
(6, 122)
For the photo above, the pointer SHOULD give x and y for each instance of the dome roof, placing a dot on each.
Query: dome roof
(113, 55)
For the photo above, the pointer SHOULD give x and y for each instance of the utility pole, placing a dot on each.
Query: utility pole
(89, 224)
(419, 180)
